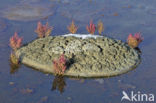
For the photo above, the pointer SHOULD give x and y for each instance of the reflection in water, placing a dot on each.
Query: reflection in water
(58, 83)
(14, 67)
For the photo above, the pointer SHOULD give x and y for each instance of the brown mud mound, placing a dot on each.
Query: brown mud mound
(94, 56)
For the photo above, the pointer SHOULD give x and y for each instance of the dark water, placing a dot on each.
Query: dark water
(120, 17)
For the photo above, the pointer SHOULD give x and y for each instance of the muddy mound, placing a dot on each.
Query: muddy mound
(89, 56)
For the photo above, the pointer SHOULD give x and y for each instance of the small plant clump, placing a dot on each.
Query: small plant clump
(134, 41)
(91, 28)
(100, 27)
(72, 28)
(15, 41)
(60, 65)
(43, 30)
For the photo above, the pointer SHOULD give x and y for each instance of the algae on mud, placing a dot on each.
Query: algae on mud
(92, 56)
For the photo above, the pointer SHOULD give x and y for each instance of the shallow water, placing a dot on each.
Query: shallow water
(25, 85)
(27, 11)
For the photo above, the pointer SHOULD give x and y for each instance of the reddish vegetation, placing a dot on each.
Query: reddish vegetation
(60, 65)
(15, 41)
(135, 40)
(72, 27)
(91, 28)
(43, 30)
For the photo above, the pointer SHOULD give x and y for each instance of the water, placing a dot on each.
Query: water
(25, 85)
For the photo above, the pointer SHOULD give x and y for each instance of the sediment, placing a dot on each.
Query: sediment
(86, 57)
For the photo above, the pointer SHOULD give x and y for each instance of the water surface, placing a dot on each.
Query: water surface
(25, 85)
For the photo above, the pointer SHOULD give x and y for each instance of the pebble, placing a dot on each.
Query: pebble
(69, 98)
(11, 83)
(43, 99)
(26, 91)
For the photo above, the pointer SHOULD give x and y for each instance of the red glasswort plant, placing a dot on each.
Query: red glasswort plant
(72, 28)
(43, 30)
(91, 28)
(100, 27)
(15, 41)
(60, 65)
(135, 40)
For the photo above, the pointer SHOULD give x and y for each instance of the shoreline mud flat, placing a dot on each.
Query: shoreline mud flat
(87, 55)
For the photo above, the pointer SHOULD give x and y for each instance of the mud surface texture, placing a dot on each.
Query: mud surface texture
(89, 57)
